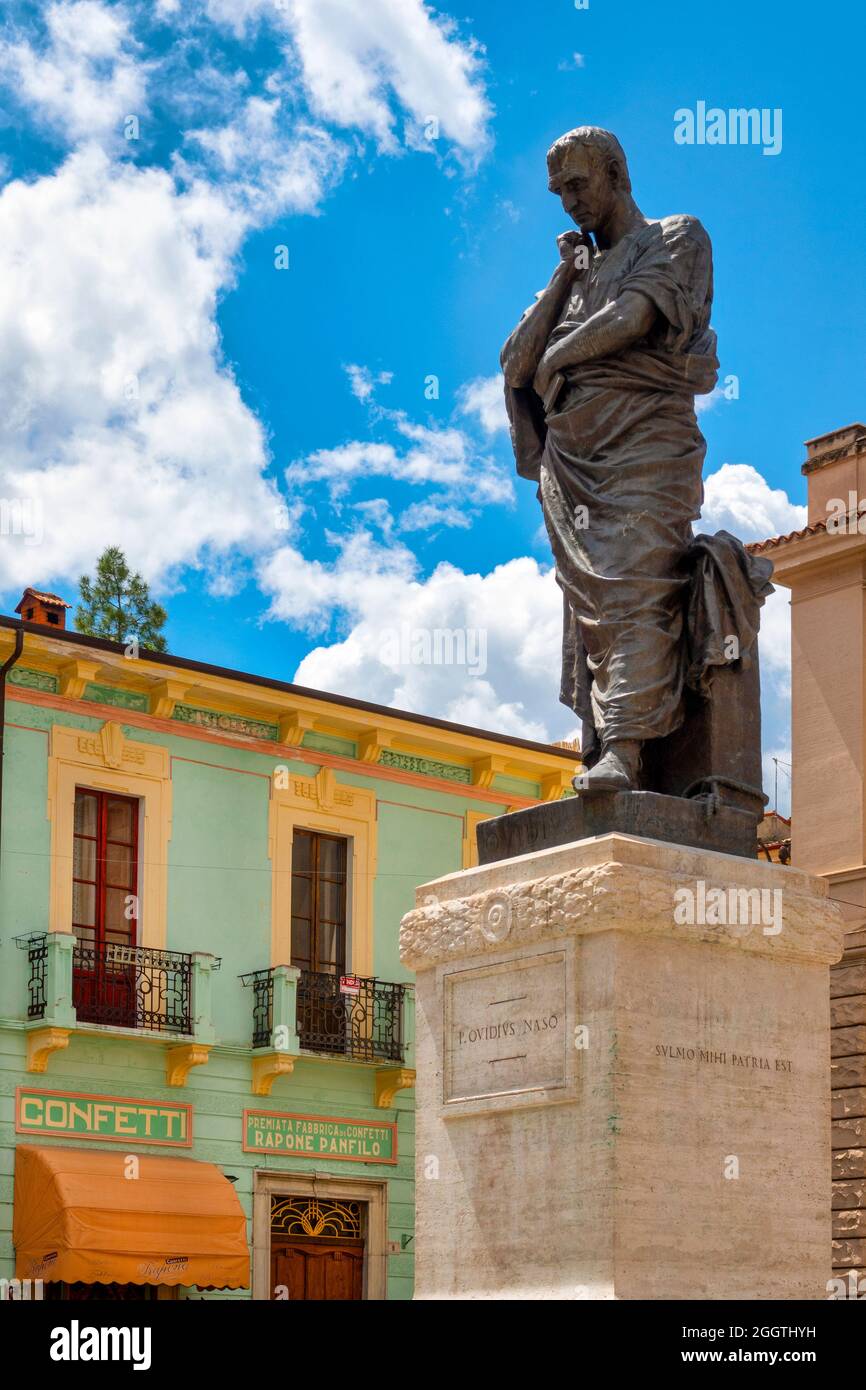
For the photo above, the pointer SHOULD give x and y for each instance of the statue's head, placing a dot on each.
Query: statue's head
(588, 169)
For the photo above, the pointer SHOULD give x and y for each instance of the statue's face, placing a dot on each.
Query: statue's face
(584, 184)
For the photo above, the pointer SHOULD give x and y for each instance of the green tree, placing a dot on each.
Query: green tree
(117, 604)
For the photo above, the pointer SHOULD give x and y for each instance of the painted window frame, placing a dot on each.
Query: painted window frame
(108, 761)
(100, 883)
(323, 804)
(316, 918)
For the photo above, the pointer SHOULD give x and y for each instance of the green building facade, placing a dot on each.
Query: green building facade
(202, 876)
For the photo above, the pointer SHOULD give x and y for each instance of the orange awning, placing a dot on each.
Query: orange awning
(82, 1215)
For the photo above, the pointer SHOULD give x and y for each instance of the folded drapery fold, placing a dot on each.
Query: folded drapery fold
(728, 588)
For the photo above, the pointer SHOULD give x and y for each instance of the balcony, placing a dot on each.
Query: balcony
(302, 1011)
(75, 986)
(366, 1026)
(133, 987)
(161, 996)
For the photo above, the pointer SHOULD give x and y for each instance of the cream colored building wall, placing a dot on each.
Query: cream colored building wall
(828, 701)
(825, 574)
(849, 475)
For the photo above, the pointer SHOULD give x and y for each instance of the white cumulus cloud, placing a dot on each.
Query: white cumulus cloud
(737, 498)
(375, 65)
(363, 382)
(85, 75)
(484, 398)
(354, 57)
(423, 516)
(267, 162)
(123, 423)
(497, 635)
(434, 454)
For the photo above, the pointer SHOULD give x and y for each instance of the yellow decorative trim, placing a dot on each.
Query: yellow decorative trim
(293, 726)
(180, 1060)
(470, 846)
(267, 1069)
(41, 1043)
(371, 743)
(485, 769)
(107, 761)
(389, 1081)
(76, 675)
(322, 803)
(165, 695)
(296, 713)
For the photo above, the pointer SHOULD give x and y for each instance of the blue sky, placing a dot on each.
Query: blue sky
(266, 444)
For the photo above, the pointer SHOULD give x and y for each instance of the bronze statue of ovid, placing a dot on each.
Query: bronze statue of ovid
(601, 375)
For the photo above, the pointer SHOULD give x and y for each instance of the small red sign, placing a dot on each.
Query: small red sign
(350, 984)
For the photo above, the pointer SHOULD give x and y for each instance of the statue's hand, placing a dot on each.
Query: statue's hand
(575, 252)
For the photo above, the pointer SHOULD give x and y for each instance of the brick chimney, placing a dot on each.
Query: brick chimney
(39, 607)
(836, 469)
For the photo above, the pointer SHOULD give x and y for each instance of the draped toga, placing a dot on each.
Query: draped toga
(619, 462)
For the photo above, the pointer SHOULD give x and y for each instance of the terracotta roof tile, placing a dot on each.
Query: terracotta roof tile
(755, 547)
(42, 598)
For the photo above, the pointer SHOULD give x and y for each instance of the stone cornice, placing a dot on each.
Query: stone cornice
(846, 450)
(809, 552)
(613, 883)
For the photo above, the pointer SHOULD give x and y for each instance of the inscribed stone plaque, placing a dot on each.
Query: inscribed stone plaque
(505, 1028)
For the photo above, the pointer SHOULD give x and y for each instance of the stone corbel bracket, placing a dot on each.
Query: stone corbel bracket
(484, 770)
(180, 1060)
(620, 883)
(293, 724)
(553, 784)
(165, 695)
(389, 1081)
(41, 1042)
(267, 1068)
(76, 675)
(371, 743)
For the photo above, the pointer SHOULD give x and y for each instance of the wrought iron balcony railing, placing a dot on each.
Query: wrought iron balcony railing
(367, 1026)
(72, 981)
(35, 944)
(133, 987)
(262, 983)
(364, 1022)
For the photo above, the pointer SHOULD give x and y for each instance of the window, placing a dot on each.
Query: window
(104, 915)
(104, 868)
(109, 762)
(319, 902)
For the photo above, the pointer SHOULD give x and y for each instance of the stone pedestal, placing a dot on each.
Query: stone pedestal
(622, 1076)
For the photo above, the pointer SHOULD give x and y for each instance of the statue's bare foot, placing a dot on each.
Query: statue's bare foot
(616, 770)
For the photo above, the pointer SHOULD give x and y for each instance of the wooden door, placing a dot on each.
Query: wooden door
(308, 1270)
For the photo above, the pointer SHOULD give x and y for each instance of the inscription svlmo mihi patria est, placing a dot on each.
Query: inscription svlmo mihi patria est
(746, 1061)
